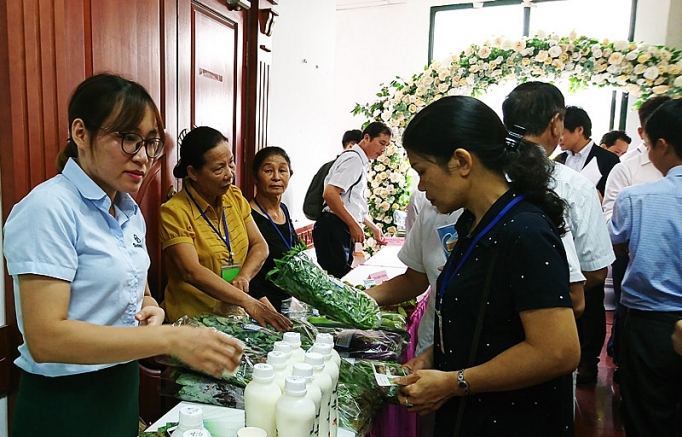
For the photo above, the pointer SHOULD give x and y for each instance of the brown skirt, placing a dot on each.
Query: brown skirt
(101, 403)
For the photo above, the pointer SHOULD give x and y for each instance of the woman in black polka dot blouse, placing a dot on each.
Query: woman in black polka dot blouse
(518, 380)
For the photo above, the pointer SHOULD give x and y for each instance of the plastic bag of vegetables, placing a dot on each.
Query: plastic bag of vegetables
(301, 277)
(370, 344)
(190, 386)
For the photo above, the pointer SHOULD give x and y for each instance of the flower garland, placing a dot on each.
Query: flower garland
(642, 70)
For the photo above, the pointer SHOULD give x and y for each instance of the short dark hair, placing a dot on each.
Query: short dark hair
(648, 107)
(532, 105)
(666, 123)
(351, 136)
(577, 117)
(376, 128)
(264, 154)
(194, 146)
(610, 138)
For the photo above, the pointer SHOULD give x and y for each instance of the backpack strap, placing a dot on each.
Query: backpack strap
(354, 183)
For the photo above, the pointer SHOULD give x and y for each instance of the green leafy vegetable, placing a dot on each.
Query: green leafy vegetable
(298, 275)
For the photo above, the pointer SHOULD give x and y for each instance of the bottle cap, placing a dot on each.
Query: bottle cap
(283, 346)
(277, 359)
(314, 359)
(294, 338)
(325, 337)
(263, 372)
(304, 370)
(295, 386)
(323, 349)
(191, 416)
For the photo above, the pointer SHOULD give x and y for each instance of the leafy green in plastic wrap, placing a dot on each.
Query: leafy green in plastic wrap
(362, 393)
(299, 276)
(194, 387)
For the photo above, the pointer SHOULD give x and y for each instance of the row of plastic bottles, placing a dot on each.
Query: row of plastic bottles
(294, 394)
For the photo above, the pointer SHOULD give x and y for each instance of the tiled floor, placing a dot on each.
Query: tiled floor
(597, 412)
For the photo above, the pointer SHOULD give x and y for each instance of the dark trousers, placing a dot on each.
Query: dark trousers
(333, 245)
(651, 375)
(101, 403)
(592, 327)
(617, 272)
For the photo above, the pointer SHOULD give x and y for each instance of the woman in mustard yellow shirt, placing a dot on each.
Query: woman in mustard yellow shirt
(211, 243)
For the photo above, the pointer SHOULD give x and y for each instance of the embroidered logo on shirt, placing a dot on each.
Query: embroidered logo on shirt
(138, 242)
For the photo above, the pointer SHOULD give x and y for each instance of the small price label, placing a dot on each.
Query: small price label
(379, 276)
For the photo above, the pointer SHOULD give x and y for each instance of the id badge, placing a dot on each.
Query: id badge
(230, 271)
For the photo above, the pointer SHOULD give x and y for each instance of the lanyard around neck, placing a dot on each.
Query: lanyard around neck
(226, 238)
(289, 244)
(448, 273)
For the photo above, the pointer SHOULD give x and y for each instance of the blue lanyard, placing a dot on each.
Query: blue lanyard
(226, 239)
(448, 274)
(289, 244)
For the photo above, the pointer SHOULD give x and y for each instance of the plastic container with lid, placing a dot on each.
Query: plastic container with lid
(324, 337)
(305, 370)
(295, 413)
(297, 353)
(278, 361)
(324, 381)
(285, 346)
(260, 397)
(190, 418)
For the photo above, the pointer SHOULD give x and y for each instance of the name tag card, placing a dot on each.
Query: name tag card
(379, 276)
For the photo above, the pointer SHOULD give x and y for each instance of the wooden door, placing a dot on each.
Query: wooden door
(210, 70)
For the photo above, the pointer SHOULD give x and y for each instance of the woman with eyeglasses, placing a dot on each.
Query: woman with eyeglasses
(505, 340)
(209, 239)
(75, 247)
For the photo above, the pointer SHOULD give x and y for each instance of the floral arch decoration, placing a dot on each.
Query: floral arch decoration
(642, 70)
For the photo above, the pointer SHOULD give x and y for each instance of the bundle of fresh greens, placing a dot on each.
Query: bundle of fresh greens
(301, 277)
(370, 344)
(190, 386)
(364, 385)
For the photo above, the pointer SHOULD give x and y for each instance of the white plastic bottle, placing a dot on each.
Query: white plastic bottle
(260, 397)
(305, 370)
(285, 346)
(191, 418)
(332, 370)
(295, 413)
(324, 381)
(327, 338)
(297, 353)
(278, 361)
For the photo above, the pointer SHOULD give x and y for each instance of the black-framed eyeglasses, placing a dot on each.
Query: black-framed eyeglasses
(131, 143)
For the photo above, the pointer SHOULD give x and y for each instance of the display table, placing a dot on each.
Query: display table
(219, 421)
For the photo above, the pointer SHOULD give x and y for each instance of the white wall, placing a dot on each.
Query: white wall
(3, 401)
(302, 103)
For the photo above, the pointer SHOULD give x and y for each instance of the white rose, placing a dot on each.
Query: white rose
(386, 115)
(376, 112)
(541, 34)
(421, 90)
(653, 51)
(443, 73)
(678, 81)
(665, 55)
(622, 80)
(428, 80)
(554, 52)
(573, 35)
(640, 68)
(519, 45)
(569, 66)
(412, 108)
(541, 56)
(632, 88)
(651, 73)
(470, 80)
(393, 122)
(615, 58)
(613, 69)
(631, 56)
(468, 51)
(558, 64)
(473, 69)
(660, 89)
(419, 103)
(435, 65)
(596, 53)
(507, 44)
(406, 99)
(607, 53)
(660, 80)
(443, 87)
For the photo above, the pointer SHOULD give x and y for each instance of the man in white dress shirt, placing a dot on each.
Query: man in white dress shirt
(539, 107)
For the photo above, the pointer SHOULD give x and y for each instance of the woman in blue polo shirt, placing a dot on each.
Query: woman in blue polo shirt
(505, 340)
(75, 247)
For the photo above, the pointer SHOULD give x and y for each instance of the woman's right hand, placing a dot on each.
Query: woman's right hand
(207, 350)
(264, 313)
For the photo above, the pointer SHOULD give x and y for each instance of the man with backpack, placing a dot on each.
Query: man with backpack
(345, 209)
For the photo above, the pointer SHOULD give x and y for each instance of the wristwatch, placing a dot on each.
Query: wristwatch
(461, 383)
